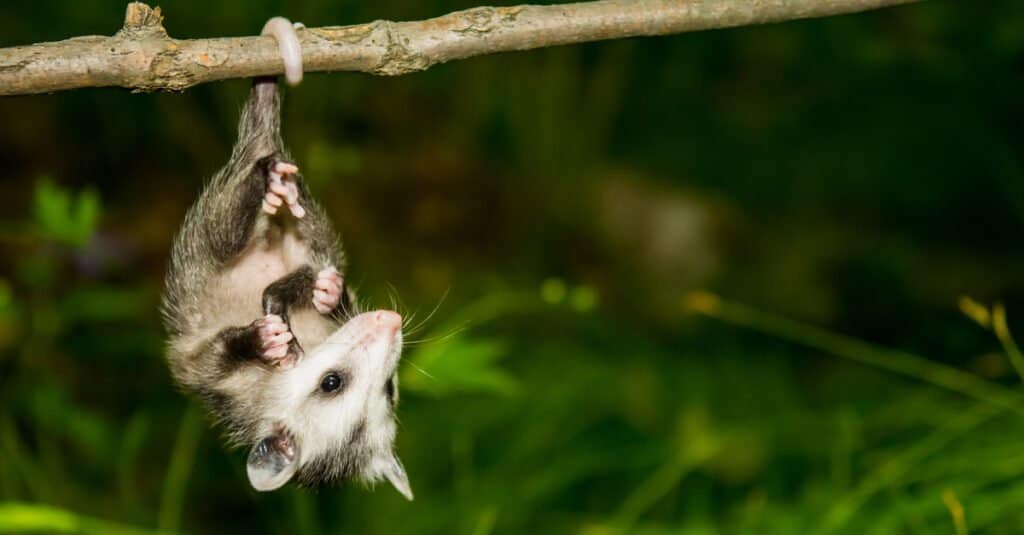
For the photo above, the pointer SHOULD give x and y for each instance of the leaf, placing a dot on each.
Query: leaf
(63, 216)
(459, 364)
(27, 517)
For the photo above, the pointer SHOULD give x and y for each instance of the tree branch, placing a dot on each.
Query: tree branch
(142, 57)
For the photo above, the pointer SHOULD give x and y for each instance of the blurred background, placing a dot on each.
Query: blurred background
(710, 283)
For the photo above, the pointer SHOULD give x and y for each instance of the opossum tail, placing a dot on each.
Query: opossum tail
(260, 127)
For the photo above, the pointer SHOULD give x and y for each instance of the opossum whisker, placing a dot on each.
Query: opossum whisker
(421, 370)
(416, 328)
(391, 298)
(396, 301)
(438, 338)
(407, 320)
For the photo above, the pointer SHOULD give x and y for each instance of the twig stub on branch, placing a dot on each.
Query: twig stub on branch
(141, 17)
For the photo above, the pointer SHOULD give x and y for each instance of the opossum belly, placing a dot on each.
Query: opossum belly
(310, 327)
(267, 258)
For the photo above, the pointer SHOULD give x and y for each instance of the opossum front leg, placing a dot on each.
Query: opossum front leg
(301, 288)
(266, 339)
(329, 291)
(275, 339)
(325, 290)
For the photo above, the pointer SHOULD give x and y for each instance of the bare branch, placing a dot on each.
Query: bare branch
(142, 57)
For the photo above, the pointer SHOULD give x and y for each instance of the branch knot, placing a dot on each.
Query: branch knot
(483, 19)
(399, 58)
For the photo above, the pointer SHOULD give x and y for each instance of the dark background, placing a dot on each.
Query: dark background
(549, 214)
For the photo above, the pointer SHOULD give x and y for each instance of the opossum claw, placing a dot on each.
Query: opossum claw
(327, 290)
(274, 339)
(282, 189)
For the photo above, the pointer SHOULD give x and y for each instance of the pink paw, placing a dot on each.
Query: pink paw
(281, 189)
(327, 290)
(274, 339)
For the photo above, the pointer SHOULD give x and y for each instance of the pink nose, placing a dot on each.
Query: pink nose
(387, 319)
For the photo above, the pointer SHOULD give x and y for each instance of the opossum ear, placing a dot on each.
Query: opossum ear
(395, 473)
(272, 462)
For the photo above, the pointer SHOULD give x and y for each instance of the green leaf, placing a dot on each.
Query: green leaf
(459, 364)
(64, 216)
(27, 518)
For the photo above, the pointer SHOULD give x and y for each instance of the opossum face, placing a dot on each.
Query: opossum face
(335, 418)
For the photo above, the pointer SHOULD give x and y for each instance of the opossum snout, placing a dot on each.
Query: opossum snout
(387, 320)
(370, 343)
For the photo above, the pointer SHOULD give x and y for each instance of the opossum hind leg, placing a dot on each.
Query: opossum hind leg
(282, 188)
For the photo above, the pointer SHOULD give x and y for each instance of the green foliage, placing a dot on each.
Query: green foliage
(460, 364)
(63, 216)
(29, 518)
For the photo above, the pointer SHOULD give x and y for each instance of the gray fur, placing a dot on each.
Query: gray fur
(220, 224)
(218, 228)
(213, 296)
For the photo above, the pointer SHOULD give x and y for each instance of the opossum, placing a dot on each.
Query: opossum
(261, 325)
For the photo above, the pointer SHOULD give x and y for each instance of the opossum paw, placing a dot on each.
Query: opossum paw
(327, 290)
(274, 340)
(281, 189)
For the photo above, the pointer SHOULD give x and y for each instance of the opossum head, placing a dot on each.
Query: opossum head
(332, 415)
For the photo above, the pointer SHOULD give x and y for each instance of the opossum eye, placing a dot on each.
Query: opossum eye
(389, 389)
(331, 382)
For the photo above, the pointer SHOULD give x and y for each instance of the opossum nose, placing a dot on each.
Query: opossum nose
(387, 319)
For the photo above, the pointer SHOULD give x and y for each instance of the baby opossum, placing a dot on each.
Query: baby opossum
(262, 328)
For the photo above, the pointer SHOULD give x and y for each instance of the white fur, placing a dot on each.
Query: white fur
(367, 351)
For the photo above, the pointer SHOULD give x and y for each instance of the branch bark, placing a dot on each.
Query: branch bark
(143, 57)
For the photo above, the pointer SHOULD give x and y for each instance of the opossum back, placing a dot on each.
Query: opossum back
(189, 271)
